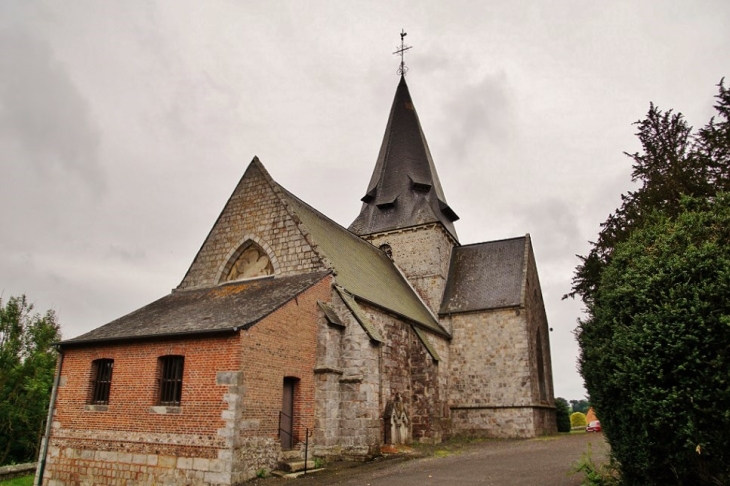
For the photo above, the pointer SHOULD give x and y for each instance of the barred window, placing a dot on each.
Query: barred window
(171, 374)
(101, 381)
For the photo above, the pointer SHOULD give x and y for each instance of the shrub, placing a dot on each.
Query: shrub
(578, 419)
(562, 414)
(654, 353)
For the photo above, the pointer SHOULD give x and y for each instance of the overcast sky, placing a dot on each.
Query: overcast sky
(124, 126)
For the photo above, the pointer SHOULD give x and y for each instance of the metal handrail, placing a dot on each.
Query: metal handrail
(294, 438)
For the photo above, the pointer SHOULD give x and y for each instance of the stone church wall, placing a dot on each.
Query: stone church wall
(490, 374)
(423, 254)
(408, 370)
(253, 211)
(358, 378)
(348, 421)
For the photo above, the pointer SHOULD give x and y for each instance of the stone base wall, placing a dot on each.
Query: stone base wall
(545, 421)
(78, 466)
(503, 423)
(254, 454)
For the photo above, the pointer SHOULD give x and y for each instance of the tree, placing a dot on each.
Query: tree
(578, 419)
(562, 414)
(580, 406)
(27, 365)
(656, 347)
(673, 163)
(654, 344)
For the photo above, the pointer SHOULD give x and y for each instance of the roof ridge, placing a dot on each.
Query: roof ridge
(527, 235)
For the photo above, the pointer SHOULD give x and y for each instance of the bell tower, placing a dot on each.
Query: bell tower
(404, 210)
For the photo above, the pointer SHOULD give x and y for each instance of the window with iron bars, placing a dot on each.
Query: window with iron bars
(170, 381)
(101, 381)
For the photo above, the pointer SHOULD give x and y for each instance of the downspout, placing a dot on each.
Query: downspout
(49, 419)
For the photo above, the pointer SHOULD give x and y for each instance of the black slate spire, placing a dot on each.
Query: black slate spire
(404, 190)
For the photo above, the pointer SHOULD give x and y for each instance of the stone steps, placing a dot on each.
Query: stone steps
(284, 474)
(295, 465)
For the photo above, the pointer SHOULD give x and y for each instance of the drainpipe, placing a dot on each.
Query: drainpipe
(49, 419)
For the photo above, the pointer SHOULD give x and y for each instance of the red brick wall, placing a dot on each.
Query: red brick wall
(134, 386)
(282, 345)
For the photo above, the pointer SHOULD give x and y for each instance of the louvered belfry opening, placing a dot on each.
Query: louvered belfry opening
(101, 383)
(171, 374)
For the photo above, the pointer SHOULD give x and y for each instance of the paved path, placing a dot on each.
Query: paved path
(545, 461)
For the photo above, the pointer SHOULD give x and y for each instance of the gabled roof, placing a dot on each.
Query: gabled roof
(237, 305)
(360, 268)
(404, 190)
(486, 276)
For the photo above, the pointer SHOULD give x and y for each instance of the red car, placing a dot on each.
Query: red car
(594, 426)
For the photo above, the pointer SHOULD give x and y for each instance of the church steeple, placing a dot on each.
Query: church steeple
(404, 190)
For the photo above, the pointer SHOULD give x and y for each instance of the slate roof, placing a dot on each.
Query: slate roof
(363, 270)
(237, 305)
(404, 189)
(486, 276)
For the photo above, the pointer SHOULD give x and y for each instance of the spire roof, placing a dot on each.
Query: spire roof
(404, 190)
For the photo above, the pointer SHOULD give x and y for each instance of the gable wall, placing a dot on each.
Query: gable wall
(254, 210)
(132, 438)
(423, 254)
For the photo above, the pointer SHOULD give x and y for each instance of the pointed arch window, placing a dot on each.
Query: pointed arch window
(250, 261)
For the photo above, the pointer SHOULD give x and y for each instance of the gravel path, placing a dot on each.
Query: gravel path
(544, 461)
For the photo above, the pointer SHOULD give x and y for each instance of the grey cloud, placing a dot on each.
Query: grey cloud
(481, 113)
(555, 223)
(44, 120)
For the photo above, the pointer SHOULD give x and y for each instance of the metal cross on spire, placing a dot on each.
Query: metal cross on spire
(402, 70)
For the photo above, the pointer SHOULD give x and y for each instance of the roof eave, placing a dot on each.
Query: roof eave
(149, 337)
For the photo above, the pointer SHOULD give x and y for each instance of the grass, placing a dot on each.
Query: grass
(22, 481)
(449, 447)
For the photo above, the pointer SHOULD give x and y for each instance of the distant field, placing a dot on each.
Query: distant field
(24, 481)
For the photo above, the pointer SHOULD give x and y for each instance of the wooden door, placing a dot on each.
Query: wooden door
(286, 427)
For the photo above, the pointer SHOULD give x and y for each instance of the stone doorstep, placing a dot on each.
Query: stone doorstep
(294, 454)
(294, 475)
(295, 465)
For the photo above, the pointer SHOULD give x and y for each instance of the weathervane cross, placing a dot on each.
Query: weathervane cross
(402, 70)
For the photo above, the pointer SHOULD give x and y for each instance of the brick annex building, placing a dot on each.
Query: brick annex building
(387, 332)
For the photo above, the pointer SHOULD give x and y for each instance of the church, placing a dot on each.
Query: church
(289, 329)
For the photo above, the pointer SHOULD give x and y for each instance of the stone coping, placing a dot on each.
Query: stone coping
(17, 470)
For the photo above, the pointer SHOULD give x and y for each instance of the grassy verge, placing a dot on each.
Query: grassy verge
(22, 481)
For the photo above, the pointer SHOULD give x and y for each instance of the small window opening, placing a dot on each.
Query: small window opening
(386, 248)
(171, 374)
(421, 187)
(101, 381)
